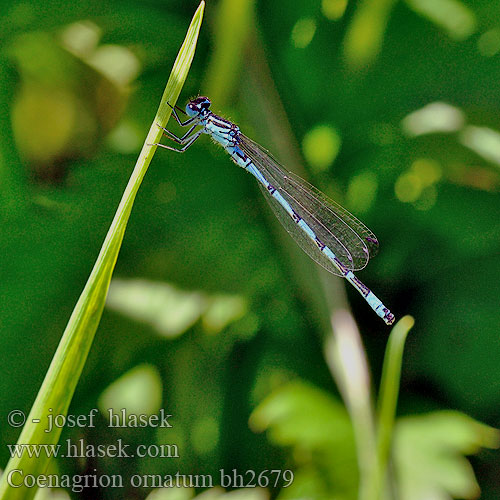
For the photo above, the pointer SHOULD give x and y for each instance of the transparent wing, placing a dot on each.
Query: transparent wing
(347, 237)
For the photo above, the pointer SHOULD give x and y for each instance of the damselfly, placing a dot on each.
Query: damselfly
(328, 233)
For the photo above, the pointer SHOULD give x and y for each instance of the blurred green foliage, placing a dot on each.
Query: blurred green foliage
(394, 108)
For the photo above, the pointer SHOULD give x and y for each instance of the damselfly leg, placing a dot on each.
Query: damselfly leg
(187, 141)
(179, 140)
(178, 120)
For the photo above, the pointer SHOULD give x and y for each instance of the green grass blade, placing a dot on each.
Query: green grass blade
(388, 398)
(57, 389)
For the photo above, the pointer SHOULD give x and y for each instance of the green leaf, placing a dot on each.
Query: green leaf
(57, 389)
(318, 429)
(301, 415)
(429, 455)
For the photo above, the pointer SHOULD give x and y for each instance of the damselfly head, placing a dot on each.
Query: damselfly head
(198, 106)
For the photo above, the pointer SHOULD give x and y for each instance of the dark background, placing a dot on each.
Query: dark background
(390, 108)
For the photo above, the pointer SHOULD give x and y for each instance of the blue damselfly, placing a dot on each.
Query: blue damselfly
(328, 233)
